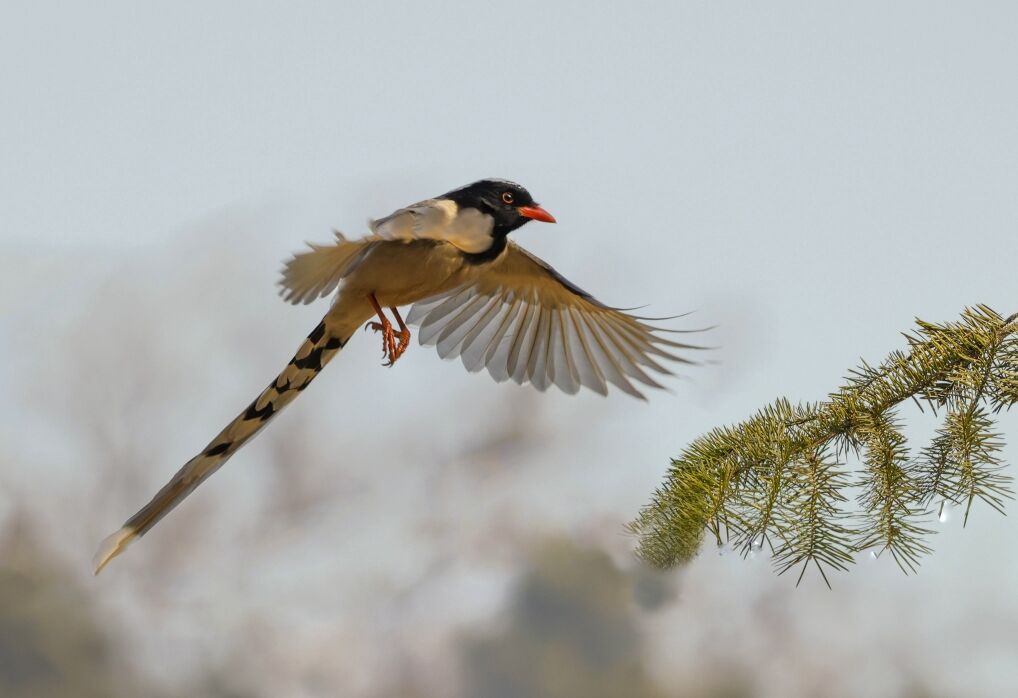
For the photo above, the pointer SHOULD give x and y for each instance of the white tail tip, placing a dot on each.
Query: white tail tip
(111, 546)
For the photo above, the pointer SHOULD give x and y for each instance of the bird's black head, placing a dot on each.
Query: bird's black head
(507, 202)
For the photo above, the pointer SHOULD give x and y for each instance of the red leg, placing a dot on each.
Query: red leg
(404, 334)
(390, 348)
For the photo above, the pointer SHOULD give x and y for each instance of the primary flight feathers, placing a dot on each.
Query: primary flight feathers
(475, 295)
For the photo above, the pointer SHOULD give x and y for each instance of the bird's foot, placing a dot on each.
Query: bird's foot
(393, 345)
(404, 342)
(391, 348)
(388, 338)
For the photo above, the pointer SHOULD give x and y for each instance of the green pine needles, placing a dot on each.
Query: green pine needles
(783, 476)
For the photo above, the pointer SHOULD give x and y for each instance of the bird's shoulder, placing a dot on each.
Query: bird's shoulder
(520, 268)
(414, 220)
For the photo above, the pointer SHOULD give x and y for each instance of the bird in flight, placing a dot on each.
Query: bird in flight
(475, 294)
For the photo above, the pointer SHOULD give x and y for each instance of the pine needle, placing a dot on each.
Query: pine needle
(782, 476)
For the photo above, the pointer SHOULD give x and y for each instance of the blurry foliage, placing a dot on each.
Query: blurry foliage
(782, 476)
(50, 644)
(52, 641)
(571, 630)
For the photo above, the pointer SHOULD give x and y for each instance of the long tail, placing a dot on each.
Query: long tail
(321, 345)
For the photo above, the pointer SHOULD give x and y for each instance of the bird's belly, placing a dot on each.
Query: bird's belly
(400, 273)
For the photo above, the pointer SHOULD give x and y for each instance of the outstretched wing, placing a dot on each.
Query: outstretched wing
(308, 276)
(522, 320)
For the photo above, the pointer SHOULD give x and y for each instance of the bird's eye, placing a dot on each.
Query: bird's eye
(507, 197)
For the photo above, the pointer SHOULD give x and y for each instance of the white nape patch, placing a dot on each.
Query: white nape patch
(438, 219)
(448, 208)
(470, 230)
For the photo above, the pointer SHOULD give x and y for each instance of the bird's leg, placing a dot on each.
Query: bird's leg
(389, 348)
(404, 334)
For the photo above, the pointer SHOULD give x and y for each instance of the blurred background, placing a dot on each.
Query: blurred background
(808, 176)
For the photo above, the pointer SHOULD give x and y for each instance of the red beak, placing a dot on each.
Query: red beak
(536, 213)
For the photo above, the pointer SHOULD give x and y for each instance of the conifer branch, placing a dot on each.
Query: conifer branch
(782, 476)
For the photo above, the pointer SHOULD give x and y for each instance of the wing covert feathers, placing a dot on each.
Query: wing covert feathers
(316, 351)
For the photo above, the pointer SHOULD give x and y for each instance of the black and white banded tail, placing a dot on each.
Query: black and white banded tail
(316, 351)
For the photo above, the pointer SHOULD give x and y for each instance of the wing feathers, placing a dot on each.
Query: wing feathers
(451, 338)
(537, 370)
(496, 358)
(477, 340)
(565, 374)
(607, 361)
(308, 276)
(519, 353)
(590, 374)
(520, 319)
